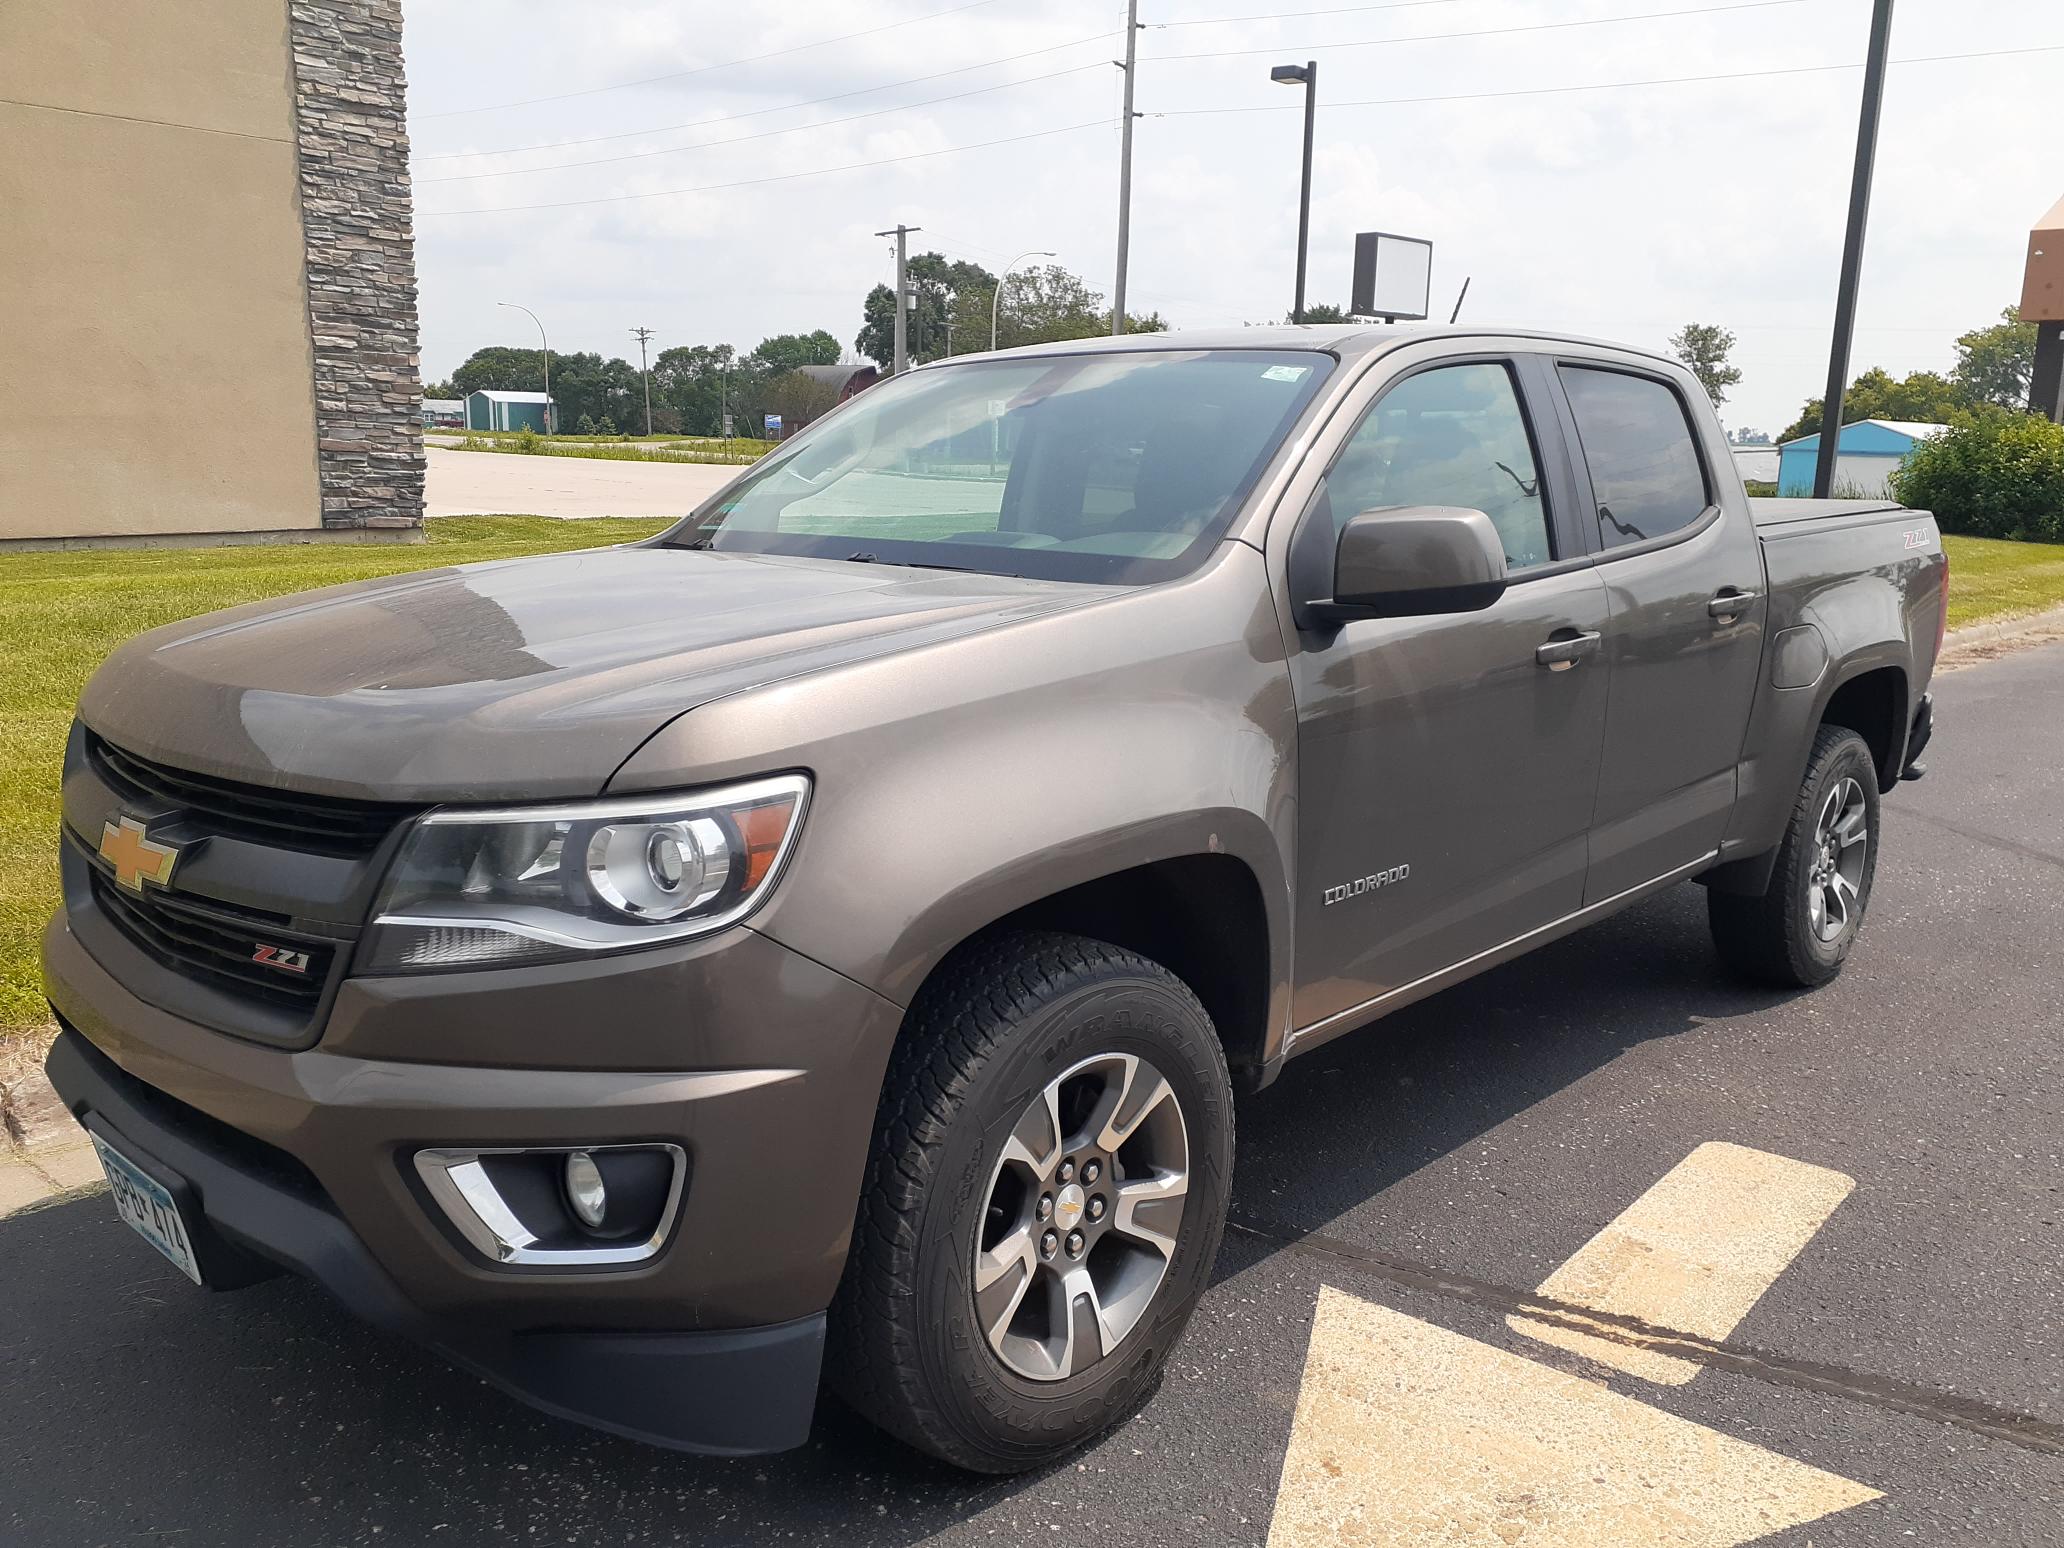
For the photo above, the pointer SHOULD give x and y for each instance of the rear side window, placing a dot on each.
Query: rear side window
(1645, 469)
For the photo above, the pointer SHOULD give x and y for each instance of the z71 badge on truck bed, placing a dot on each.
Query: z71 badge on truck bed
(825, 941)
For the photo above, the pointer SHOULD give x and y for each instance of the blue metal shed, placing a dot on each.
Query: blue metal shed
(1865, 457)
(507, 411)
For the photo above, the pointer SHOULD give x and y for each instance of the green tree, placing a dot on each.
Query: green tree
(1994, 364)
(798, 399)
(1704, 348)
(582, 383)
(786, 351)
(949, 311)
(691, 380)
(1325, 312)
(1926, 396)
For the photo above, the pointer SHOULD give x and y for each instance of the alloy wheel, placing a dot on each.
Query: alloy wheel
(1841, 845)
(1082, 1215)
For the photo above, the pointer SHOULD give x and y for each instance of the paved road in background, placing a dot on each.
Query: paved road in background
(1903, 1369)
(505, 484)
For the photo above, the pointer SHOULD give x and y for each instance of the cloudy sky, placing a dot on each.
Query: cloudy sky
(735, 162)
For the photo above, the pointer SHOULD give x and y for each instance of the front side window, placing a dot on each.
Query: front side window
(1645, 470)
(1454, 435)
(1123, 467)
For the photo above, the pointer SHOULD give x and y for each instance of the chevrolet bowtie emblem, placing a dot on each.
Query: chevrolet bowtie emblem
(136, 858)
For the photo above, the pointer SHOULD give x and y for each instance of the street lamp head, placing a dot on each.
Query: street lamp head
(1290, 75)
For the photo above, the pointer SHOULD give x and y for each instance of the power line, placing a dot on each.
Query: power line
(1487, 32)
(781, 177)
(729, 118)
(1552, 91)
(1338, 10)
(764, 134)
(726, 64)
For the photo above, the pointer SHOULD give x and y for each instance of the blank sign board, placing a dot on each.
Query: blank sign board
(1391, 276)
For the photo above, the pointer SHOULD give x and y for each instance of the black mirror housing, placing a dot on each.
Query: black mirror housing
(1413, 561)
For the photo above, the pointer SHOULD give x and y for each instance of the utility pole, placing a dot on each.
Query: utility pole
(1125, 166)
(642, 335)
(902, 236)
(1852, 248)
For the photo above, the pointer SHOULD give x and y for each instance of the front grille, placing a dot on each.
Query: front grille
(216, 943)
(330, 825)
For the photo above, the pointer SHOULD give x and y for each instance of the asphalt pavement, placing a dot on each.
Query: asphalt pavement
(1900, 1375)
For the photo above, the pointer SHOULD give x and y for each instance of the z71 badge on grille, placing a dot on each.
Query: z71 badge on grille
(278, 956)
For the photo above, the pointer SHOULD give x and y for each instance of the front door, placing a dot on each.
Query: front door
(1446, 776)
(1683, 576)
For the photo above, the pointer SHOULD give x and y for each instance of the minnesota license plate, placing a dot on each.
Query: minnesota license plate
(148, 1208)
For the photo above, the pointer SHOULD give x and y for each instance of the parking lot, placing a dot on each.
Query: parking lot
(1399, 1196)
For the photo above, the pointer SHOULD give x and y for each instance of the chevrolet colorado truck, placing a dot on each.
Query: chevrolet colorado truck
(822, 944)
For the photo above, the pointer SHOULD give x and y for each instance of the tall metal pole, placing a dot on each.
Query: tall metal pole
(902, 354)
(1852, 249)
(996, 295)
(527, 312)
(1311, 102)
(1125, 167)
(645, 370)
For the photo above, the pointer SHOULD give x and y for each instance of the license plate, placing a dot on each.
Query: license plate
(149, 1209)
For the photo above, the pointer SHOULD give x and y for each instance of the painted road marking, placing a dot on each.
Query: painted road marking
(1409, 1434)
(1692, 1254)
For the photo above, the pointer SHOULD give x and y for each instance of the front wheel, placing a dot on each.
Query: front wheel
(1045, 1199)
(1798, 933)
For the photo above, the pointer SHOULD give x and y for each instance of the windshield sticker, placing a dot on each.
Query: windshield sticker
(1285, 373)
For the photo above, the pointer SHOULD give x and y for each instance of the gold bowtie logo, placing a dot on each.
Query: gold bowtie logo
(136, 858)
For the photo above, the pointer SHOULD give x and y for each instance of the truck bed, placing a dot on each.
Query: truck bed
(1782, 513)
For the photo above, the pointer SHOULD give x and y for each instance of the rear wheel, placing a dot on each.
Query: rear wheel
(1800, 930)
(1046, 1197)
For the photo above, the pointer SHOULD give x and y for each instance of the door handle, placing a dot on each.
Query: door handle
(1730, 605)
(1560, 655)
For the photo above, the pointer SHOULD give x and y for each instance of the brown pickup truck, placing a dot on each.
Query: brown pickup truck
(825, 941)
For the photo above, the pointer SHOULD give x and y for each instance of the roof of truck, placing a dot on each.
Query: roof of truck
(1344, 339)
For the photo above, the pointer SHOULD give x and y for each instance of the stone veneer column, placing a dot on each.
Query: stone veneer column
(351, 126)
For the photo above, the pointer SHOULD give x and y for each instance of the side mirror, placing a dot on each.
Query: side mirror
(1410, 561)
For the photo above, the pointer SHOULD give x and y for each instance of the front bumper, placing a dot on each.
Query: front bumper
(759, 1063)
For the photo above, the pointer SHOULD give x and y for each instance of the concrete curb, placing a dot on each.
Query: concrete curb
(1985, 641)
(43, 1153)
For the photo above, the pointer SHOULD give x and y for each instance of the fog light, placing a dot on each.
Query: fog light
(585, 1193)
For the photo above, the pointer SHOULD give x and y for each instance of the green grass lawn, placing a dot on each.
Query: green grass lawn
(1989, 578)
(61, 613)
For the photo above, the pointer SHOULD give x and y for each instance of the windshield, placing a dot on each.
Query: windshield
(1117, 468)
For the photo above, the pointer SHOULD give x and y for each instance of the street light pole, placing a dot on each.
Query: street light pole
(527, 312)
(1852, 249)
(996, 296)
(1291, 75)
(643, 335)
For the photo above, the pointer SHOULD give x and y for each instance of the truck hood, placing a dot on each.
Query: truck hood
(522, 679)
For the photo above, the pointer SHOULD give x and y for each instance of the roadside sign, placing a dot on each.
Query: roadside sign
(1391, 276)
(727, 426)
(773, 424)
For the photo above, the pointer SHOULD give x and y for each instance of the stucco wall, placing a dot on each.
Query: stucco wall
(159, 375)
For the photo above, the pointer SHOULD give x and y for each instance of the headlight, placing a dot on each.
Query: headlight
(538, 883)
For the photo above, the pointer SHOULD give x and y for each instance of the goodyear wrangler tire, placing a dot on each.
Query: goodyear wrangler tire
(1044, 1201)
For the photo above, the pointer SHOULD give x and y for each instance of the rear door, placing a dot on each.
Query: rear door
(1683, 577)
(1445, 775)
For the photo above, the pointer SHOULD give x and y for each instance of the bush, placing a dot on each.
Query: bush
(1997, 475)
(529, 442)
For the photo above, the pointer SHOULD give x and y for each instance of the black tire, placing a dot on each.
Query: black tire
(1776, 938)
(992, 1029)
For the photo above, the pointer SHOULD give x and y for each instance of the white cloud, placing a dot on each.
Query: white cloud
(1622, 213)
